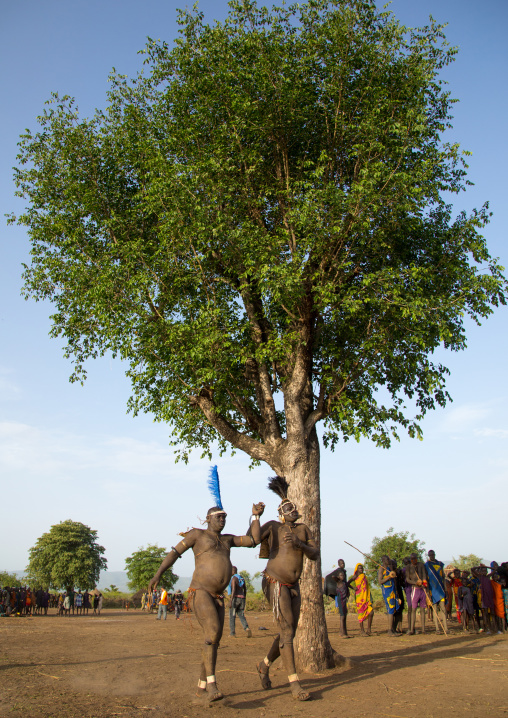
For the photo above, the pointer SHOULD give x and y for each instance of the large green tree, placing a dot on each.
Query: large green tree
(142, 565)
(65, 557)
(258, 226)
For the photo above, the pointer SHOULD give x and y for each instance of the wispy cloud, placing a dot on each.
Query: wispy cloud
(120, 461)
(465, 418)
(8, 389)
(492, 433)
(133, 457)
(53, 452)
(29, 449)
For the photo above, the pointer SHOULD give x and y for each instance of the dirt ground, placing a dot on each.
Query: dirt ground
(127, 664)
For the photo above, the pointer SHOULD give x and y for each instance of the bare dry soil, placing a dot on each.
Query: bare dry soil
(125, 663)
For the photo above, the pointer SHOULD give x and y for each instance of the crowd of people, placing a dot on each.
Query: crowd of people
(23, 601)
(480, 595)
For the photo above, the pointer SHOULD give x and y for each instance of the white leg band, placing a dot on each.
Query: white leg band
(293, 677)
(201, 684)
(210, 679)
(267, 662)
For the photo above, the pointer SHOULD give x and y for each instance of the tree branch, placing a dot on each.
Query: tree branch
(239, 440)
(251, 417)
(260, 373)
(318, 413)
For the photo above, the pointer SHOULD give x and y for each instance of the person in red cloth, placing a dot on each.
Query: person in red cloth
(498, 602)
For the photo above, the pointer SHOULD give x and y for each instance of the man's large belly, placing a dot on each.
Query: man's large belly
(285, 568)
(212, 572)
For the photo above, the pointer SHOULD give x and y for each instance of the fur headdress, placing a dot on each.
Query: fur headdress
(279, 486)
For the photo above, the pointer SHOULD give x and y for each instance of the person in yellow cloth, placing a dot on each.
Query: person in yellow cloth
(364, 608)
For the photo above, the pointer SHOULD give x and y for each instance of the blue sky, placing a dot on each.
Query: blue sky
(68, 451)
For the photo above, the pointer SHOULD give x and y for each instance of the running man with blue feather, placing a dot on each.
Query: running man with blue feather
(212, 574)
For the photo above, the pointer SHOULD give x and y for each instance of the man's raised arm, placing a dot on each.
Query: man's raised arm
(172, 556)
(253, 537)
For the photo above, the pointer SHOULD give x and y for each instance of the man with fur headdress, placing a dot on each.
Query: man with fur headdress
(287, 542)
(212, 574)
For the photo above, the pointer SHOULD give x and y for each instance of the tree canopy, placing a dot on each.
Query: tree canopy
(142, 565)
(262, 213)
(9, 579)
(67, 556)
(396, 545)
(466, 562)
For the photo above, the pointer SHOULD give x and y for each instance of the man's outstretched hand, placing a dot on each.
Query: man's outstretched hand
(257, 509)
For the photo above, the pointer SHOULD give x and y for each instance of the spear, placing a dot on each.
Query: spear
(364, 554)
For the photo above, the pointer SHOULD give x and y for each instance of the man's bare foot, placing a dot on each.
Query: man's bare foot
(298, 692)
(263, 676)
(213, 693)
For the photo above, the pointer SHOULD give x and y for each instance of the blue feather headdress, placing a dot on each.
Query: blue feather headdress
(214, 486)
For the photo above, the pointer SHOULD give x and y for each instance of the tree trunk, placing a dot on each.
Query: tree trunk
(313, 651)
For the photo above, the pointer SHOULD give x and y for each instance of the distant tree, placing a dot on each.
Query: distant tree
(143, 564)
(113, 589)
(256, 576)
(396, 545)
(67, 556)
(466, 562)
(9, 579)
